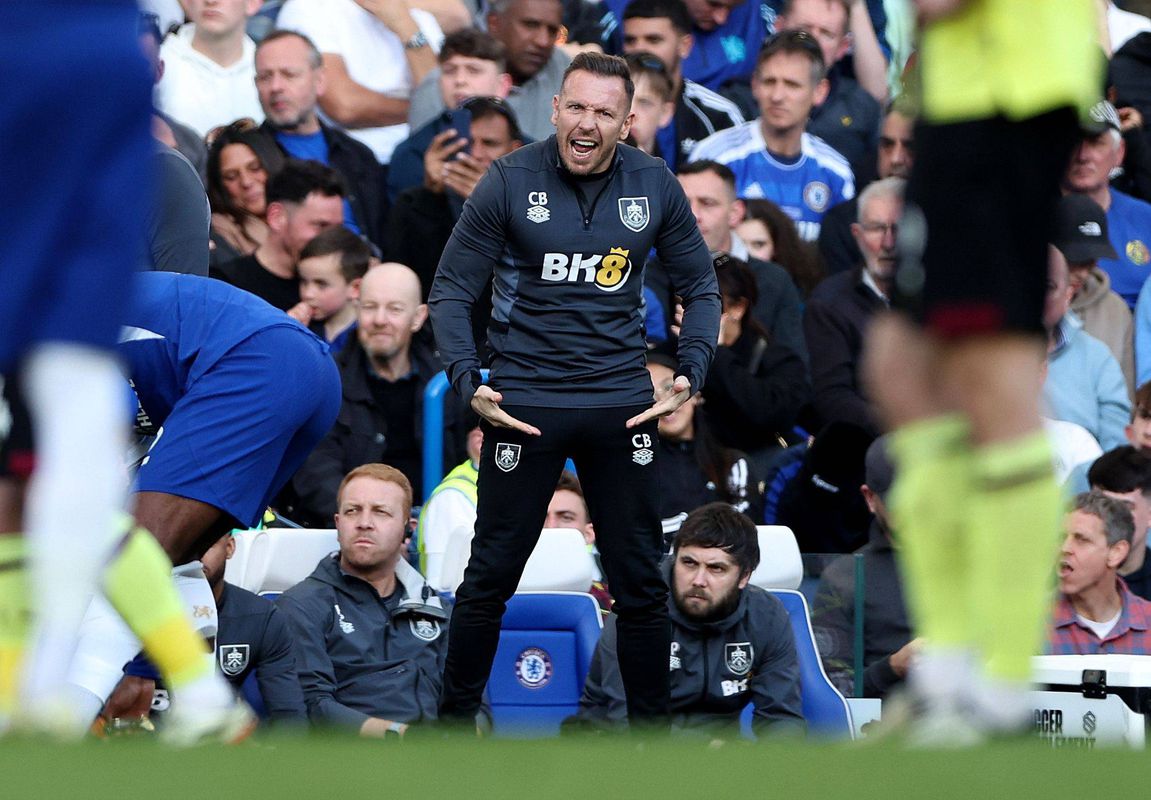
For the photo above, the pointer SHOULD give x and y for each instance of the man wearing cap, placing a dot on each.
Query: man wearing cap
(1081, 235)
(888, 646)
(1128, 219)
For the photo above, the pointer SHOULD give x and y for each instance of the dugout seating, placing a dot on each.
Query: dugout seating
(276, 559)
(780, 564)
(560, 562)
(780, 572)
(546, 646)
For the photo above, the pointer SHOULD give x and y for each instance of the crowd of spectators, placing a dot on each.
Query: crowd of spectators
(337, 141)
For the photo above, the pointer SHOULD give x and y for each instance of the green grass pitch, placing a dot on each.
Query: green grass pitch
(325, 767)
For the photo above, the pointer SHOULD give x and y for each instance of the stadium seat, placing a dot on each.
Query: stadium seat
(248, 565)
(560, 562)
(546, 645)
(292, 555)
(824, 708)
(780, 565)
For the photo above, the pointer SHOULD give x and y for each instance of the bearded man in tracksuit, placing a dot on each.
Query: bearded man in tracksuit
(567, 225)
(731, 642)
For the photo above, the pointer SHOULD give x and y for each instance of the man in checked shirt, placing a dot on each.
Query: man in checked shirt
(1096, 612)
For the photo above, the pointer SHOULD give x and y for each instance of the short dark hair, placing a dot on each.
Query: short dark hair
(1121, 470)
(355, 254)
(722, 171)
(675, 11)
(568, 482)
(646, 64)
(474, 43)
(299, 178)
(605, 66)
(315, 58)
(720, 525)
(1142, 405)
(794, 41)
(483, 107)
(1118, 524)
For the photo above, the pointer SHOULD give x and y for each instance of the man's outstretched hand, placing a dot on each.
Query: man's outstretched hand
(486, 402)
(680, 393)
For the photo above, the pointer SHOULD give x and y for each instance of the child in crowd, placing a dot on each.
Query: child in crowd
(652, 104)
(331, 266)
(1139, 429)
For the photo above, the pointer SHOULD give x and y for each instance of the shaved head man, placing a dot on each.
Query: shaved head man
(390, 313)
(383, 373)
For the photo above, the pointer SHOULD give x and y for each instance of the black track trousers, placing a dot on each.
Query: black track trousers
(518, 475)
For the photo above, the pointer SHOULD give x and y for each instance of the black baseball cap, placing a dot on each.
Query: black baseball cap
(1101, 117)
(878, 469)
(1081, 230)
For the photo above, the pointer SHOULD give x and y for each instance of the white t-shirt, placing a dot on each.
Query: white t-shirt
(198, 92)
(1100, 629)
(372, 53)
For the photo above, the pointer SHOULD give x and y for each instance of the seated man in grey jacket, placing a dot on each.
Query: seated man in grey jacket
(370, 634)
(731, 642)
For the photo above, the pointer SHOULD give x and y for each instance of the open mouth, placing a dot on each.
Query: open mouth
(1065, 569)
(583, 148)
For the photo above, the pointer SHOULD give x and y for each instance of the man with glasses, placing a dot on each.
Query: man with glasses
(840, 308)
(774, 157)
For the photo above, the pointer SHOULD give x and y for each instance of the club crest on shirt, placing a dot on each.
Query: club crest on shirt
(507, 456)
(634, 213)
(1137, 252)
(233, 658)
(426, 629)
(817, 195)
(738, 656)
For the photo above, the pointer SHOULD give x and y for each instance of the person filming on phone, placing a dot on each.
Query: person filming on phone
(423, 216)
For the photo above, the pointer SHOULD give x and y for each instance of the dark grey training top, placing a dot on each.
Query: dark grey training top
(567, 318)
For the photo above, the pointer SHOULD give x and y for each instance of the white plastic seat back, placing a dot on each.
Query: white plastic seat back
(780, 565)
(560, 562)
(293, 555)
(248, 565)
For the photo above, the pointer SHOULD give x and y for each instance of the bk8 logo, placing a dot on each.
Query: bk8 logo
(608, 272)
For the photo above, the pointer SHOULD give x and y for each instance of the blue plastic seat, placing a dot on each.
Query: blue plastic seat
(546, 644)
(824, 708)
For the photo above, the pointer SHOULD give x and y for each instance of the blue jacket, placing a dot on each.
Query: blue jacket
(1085, 384)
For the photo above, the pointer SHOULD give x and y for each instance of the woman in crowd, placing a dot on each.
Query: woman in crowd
(240, 161)
(770, 235)
(756, 386)
(694, 468)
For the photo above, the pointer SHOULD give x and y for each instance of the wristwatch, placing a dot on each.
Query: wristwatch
(417, 41)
